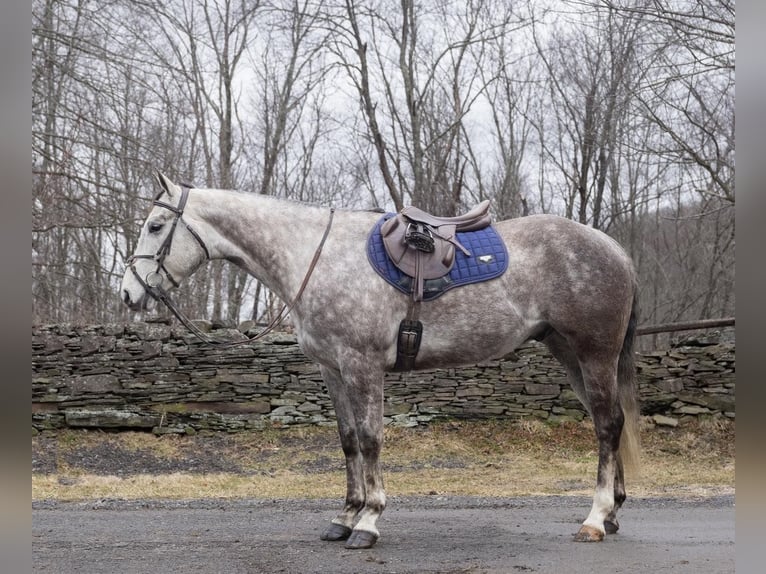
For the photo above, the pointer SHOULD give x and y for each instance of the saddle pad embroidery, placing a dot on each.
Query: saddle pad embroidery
(489, 260)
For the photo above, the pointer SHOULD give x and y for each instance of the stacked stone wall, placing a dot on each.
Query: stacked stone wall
(160, 379)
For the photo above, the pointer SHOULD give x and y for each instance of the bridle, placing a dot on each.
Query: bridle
(152, 283)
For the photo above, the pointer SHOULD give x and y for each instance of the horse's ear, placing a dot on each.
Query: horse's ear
(165, 183)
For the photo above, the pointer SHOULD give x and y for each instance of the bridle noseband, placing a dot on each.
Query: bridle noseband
(152, 283)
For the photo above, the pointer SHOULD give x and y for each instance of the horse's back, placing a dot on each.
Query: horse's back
(553, 229)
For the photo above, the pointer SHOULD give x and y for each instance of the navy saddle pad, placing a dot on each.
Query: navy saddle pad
(489, 259)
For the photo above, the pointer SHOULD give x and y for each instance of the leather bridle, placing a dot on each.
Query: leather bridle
(152, 283)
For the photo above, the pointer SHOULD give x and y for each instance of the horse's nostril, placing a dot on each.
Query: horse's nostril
(126, 296)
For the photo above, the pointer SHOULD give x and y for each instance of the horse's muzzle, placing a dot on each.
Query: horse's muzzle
(138, 305)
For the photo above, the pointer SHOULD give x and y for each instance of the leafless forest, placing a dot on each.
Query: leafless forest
(618, 114)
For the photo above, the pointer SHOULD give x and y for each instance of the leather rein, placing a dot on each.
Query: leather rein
(152, 283)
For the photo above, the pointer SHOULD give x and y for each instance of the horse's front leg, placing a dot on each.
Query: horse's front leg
(341, 526)
(363, 385)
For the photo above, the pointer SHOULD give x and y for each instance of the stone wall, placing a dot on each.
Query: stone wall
(161, 379)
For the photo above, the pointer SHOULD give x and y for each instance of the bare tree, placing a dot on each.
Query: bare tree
(499, 169)
(291, 73)
(691, 95)
(416, 72)
(687, 98)
(88, 138)
(588, 65)
(618, 114)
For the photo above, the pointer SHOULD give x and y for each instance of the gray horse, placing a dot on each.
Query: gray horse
(567, 285)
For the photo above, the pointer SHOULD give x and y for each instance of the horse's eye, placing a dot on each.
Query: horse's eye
(155, 227)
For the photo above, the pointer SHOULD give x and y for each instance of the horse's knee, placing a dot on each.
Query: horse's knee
(370, 442)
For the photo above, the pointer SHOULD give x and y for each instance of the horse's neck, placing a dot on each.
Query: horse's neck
(274, 240)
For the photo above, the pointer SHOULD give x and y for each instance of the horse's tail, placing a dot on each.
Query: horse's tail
(630, 444)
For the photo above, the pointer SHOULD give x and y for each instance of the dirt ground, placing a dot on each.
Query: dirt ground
(488, 458)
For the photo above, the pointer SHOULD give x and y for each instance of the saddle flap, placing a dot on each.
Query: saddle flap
(413, 261)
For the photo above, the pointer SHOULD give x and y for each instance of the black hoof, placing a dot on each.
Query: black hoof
(336, 532)
(611, 526)
(361, 539)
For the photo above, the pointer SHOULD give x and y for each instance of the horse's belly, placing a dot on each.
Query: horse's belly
(463, 346)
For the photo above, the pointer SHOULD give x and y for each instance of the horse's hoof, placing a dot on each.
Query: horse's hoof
(360, 539)
(336, 532)
(611, 526)
(589, 534)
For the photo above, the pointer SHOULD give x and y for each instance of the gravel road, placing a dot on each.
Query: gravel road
(419, 534)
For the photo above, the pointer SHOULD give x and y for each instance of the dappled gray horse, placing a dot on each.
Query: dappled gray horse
(567, 285)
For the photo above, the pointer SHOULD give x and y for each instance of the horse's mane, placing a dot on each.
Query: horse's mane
(303, 203)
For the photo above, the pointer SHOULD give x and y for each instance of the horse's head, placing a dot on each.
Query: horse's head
(166, 253)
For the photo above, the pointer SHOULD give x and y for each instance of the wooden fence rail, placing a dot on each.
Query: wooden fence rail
(685, 326)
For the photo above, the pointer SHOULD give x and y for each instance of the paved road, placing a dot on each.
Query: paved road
(419, 534)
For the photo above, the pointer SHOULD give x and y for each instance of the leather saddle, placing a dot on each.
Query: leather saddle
(423, 246)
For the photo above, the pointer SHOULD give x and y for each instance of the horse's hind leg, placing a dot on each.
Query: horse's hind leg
(600, 378)
(563, 352)
(341, 526)
(611, 525)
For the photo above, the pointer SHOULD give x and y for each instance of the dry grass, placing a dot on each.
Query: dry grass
(460, 458)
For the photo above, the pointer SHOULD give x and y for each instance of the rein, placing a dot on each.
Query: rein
(152, 284)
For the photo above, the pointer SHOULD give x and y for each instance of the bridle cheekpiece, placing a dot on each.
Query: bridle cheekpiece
(152, 283)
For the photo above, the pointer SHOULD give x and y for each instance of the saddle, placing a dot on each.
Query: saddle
(423, 246)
